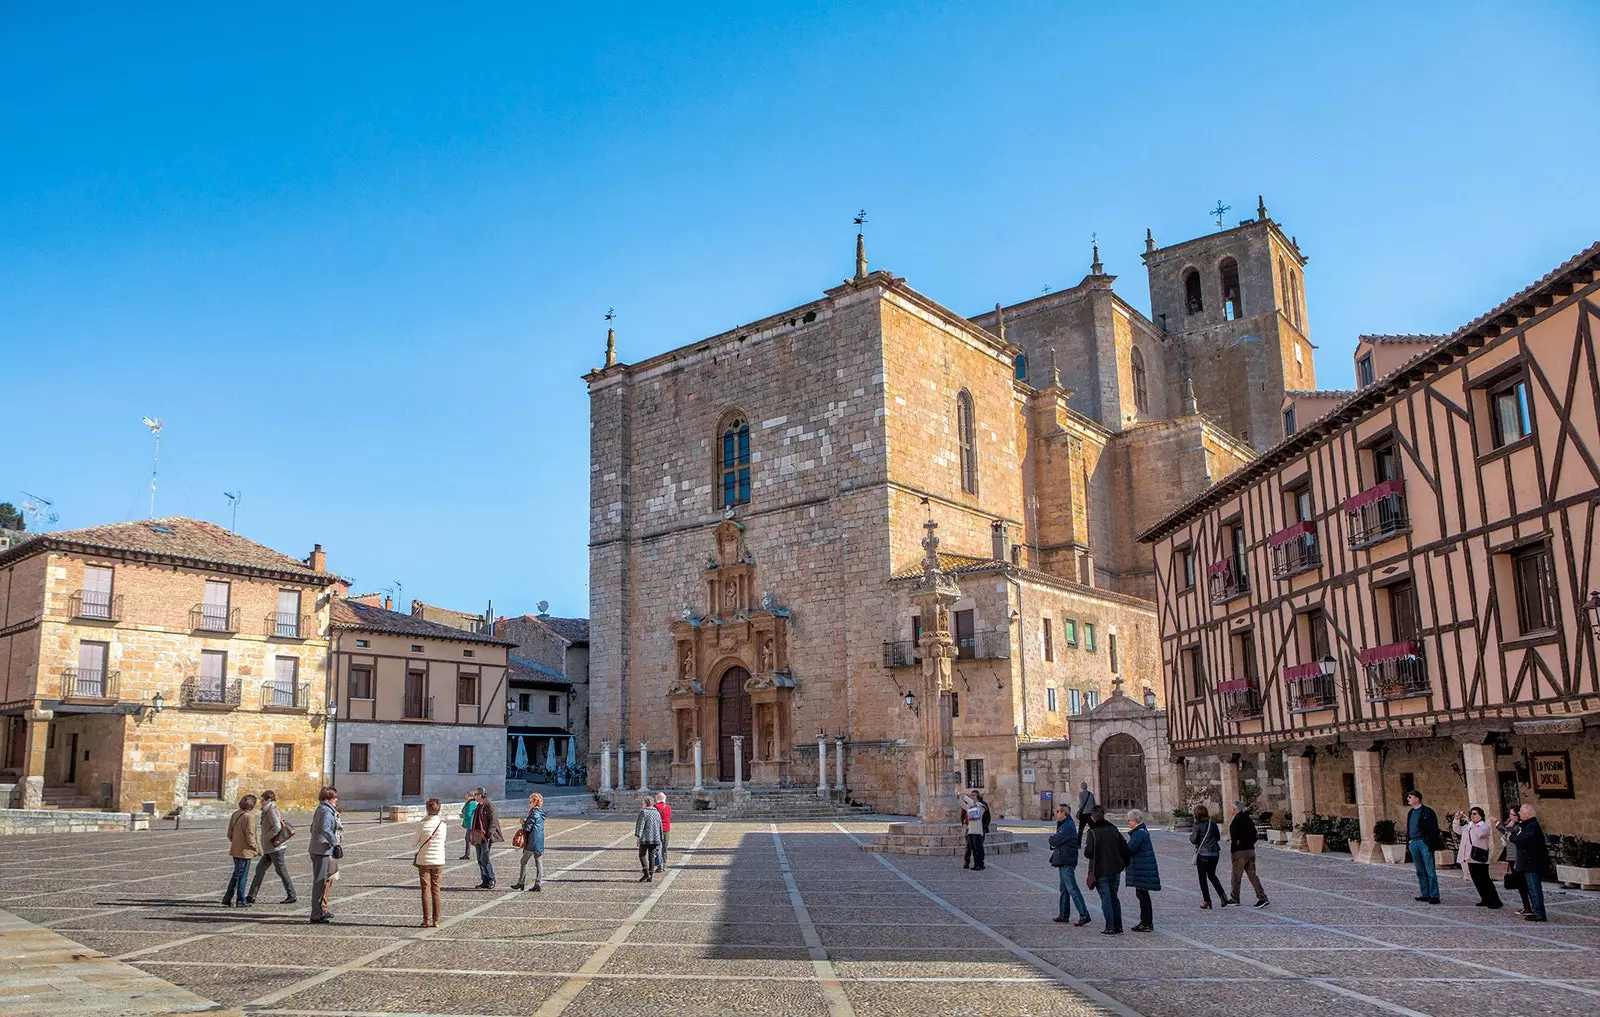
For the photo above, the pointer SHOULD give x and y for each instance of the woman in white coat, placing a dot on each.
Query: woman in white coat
(1477, 849)
(429, 861)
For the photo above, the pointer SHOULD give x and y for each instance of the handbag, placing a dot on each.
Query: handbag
(285, 831)
(1480, 855)
(338, 851)
(519, 839)
(1515, 881)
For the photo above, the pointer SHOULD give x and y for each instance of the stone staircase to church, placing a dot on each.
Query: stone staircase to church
(939, 839)
(67, 797)
(749, 804)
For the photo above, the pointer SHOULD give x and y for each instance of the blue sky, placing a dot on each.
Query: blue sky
(357, 257)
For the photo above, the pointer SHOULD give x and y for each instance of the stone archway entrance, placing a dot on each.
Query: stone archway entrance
(1122, 774)
(733, 718)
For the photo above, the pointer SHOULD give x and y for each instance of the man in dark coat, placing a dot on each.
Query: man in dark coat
(1532, 851)
(1242, 836)
(1108, 856)
(484, 834)
(1064, 856)
(1422, 837)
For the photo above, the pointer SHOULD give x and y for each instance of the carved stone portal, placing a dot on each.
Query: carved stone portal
(743, 630)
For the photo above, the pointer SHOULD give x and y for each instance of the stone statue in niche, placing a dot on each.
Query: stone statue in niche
(766, 654)
(688, 663)
(730, 595)
(769, 734)
(685, 735)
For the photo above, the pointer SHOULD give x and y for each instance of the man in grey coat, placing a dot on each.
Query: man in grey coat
(1086, 803)
(325, 851)
(647, 829)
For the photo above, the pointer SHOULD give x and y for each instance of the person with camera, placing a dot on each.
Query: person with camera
(1477, 848)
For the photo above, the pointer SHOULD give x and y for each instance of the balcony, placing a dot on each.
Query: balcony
(1294, 550)
(89, 683)
(285, 696)
(418, 708)
(284, 625)
(1376, 514)
(213, 618)
(1396, 671)
(1227, 579)
(92, 605)
(992, 645)
(900, 654)
(205, 693)
(1310, 686)
(1241, 699)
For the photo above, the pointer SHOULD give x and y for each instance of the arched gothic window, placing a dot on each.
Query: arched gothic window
(1140, 396)
(1294, 297)
(1191, 291)
(735, 462)
(1283, 285)
(967, 435)
(1020, 366)
(1232, 305)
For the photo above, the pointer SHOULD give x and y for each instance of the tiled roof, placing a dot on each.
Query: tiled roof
(174, 538)
(1577, 271)
(349, 615)
(573, 630)
(523, 669)
(1320, 393)
(1407, 339)
(950, 564)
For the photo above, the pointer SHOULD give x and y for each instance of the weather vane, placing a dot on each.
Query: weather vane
(860, 220)
(1094, 238)
(1220, 211)
(1046, 288)
(611, 313)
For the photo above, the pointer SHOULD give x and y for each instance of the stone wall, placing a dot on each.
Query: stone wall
(17, 822)
(440, 776)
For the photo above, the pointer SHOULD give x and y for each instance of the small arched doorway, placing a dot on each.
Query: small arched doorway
(1122, 773)
(733, 718)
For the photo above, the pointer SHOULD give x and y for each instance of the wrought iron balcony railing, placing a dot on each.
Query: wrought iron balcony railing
(285, 625)
(277, 695)
(901, 653)
(1396, 671)
(211, 693)
(1376, 514)
(994, 644)
(89, 683)
(419, 708)
(1227, 579)
(94, 605)
(1311, 687)
(1295, 550)
(1241, 699)
(213, 618)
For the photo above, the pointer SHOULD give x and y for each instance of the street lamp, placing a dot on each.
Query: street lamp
(1594, 609)
(911, 700)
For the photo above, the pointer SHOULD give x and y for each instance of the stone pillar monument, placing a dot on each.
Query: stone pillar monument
(622, 766)
(699, 771)
(934, 593)
(605, 766)
(838, 763)
(822, 765)
(738, 762)
(644, 766)
(1298, 769)
(1369, 803)
(1230, 786)
(1483, 788)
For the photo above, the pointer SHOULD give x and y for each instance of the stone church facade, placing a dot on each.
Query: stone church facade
(759, 498)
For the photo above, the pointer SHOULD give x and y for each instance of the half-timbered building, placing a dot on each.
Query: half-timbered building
(1397, 594)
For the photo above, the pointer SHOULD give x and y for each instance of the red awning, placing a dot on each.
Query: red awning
(1394, 651)
(1372, 494)
(1289, 533)
(1237, 685)
(1217, 568)
(1311, 670)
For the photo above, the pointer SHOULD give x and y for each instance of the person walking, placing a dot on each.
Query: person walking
(975, 817)
(532, 831)
(484, 835)
(666, 830)
(1532, 856)
(467, 809)
(325, 851)
(1207, 840)
(428, 857)
(1143, 873)
(1086, 802)
(647, 830)
(1242, 837)
(275, 833)
(1064, 856)
(1107, 853)
(1422, 837)
(1477, 848)
(243, 844)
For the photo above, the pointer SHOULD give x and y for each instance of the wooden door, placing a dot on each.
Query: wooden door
(1122, 773)
(733, 718)
(411, 773)
(205, 771)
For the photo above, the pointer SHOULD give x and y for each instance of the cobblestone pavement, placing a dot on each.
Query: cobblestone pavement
(757, 918)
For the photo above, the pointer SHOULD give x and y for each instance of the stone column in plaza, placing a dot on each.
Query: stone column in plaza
(699, 768)
(622, 766)
(822, 765)
(1230, 787)
(934, 593)
(1483, 783)
(1369, 802)
(32, 790)
(605, 766)
(644, 766)
(838, 763)
(1298, 769)
(738, 762)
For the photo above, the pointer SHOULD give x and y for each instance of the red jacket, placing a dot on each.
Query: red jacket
(666, 815)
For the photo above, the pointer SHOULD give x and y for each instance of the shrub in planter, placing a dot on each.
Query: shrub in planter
(1316, 828)
(1387, 835)
(1580, 863)
(1182, 819)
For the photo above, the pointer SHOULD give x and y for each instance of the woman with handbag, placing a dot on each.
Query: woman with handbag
(429, 860)
(530, 838)
(1477, 847)
(275, 833)
(1508, 854)
(1207, 840)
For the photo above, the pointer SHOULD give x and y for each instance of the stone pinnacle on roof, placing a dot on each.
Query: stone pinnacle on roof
(1055, 375)
(1149, 241)
(1189, 407)
(861, 256)
(999, 321)
(1095, 268)
(611, 347)
(1261, 209)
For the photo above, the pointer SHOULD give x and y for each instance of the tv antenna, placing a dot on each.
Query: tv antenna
(39, 509)
(233, 500)
(397, 588)
(154, 424)
(1220, 211)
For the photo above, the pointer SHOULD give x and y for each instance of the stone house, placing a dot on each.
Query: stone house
(1397, 595)
(553, 654)
(759, 498)
(420, 707)
(162, 664)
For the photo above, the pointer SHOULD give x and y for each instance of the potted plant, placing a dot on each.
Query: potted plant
(1445, 856)
(1384, 832)
(1580, 864)
(1343, 835)
(1281, 825)
(1316, 830)
(1263, 825)
(1182, 819)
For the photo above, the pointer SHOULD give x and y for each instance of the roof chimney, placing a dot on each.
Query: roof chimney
(1002, 540)
(388, 602)
(318, 560)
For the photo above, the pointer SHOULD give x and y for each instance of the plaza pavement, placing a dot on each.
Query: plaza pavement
(763, 918)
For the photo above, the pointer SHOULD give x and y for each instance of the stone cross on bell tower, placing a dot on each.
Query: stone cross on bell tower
(934, 594)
